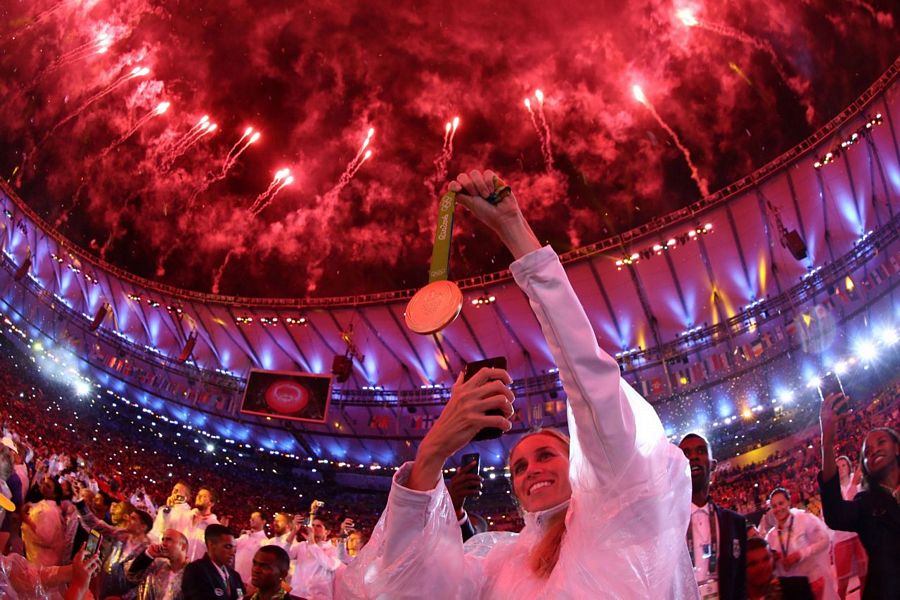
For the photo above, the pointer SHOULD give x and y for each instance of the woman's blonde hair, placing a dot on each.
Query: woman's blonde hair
(545, 554)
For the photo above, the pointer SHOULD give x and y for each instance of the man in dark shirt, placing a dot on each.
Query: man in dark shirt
(761, 581)
(270, 568)
(717, 537)
(212, 576)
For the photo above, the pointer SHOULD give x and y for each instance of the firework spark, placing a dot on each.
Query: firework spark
(160, 109)
(546, 147)
(539, 122)
(104, 92)
(183, 144)
(282, 179)
(353, 166)
(695, 174)
(99, 46)
(796, 84)
(443, 158)
(41, 17)
(249, 138)
(217, 276)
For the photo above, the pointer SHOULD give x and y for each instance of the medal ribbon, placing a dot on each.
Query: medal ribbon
(714, 540)
(443, 235)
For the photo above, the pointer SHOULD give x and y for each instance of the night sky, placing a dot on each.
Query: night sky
(85, 145)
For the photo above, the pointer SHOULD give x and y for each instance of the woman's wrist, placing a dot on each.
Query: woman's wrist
(427, 468)
(519, 238)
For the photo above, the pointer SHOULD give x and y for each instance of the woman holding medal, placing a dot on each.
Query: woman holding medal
(606, 512)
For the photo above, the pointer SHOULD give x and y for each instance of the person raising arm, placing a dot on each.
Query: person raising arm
(606, 511)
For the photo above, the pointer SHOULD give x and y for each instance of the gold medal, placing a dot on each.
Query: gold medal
(438, 304)
(434, 307)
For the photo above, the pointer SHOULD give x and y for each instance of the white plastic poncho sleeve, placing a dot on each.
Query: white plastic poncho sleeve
(630, 506)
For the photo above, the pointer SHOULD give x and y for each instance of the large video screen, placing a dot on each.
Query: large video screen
(287, 395)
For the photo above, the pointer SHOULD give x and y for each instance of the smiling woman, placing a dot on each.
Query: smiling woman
(874, 513)
(605, 512)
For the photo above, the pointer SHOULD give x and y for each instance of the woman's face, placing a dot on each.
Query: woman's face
(781, 506)
(539, 468)
(843, 469)
(879, 452)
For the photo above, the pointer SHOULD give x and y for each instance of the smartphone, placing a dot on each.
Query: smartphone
(93, 542)
(468, 459)
(497, 362)
(831, 384)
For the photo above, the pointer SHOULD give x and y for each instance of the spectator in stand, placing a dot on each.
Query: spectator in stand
(101, 506)
(355, 542)
(158, 571)
(18, 484)
(284, 530)
(464, 484)
(874, 513)
(136, 540)
(717, 537)
(6, 471)
(176, 514)
(246, 546)
(762, 584)
(315, 561)
(202, 517)
(43, 530)
(212, 577)
(802, 546)
(270, 568)
(850, 558)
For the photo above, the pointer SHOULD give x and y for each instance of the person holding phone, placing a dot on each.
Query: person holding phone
(606, 512)
(465, 483)
(176, 514)
(874, 513)
(157, 572)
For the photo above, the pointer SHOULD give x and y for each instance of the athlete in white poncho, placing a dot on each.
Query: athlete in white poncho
(605, 515)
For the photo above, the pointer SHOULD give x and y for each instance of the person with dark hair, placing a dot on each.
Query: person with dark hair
(315, 561)
(212, 576)
(101, 505)
(176, 514)
(717, 537)
(464, 484)
(874, 513)
(270, 568)
(121, 544)
(606, 512)
(802, 545)
(247, 545)
(128, 543)
(762, 584)
(202, 517)
(849, 555)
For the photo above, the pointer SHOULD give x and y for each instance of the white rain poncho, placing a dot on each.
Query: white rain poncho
(627, 518)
